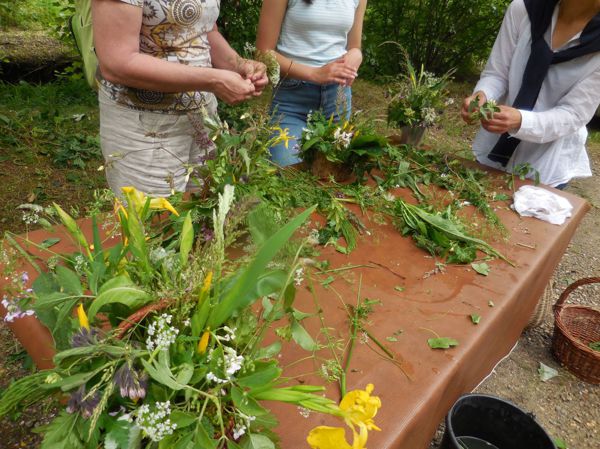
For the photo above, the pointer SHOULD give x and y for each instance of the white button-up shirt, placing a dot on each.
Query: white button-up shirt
(553, 135)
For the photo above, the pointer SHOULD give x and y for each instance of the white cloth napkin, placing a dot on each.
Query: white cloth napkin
(532, 201)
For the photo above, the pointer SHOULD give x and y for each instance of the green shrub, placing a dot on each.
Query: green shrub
(440, 34)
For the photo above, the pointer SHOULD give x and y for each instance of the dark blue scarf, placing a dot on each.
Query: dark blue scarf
(542, 57)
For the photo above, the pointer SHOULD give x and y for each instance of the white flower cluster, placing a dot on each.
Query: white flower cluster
(31, 213)
(299, 276)
(229, 334)
(429, 116)
(238, 431)
(160, 334)
(13, 309)
(156, 423)
(212, 377)
(342, 138)
(233, 362)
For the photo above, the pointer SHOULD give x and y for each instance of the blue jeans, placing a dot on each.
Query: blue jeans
(293, 101)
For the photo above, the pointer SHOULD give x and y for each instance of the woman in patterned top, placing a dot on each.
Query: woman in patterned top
(162, 63)
(317, 44)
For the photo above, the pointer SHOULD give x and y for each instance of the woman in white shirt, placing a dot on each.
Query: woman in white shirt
(546, 64)
(317, 44)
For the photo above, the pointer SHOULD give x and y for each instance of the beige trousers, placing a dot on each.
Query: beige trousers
(154, 152)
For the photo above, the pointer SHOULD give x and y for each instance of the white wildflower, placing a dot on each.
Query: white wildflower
(155, 422)
(211, 377)
(299, 276)
(14, 311)
(233, 362)
(160, 334)
(429, 116)
(238, 431)
(229, 334)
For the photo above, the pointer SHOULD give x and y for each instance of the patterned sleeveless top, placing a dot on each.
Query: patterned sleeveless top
(174, 30)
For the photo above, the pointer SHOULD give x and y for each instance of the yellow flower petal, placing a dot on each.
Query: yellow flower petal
(325, 437)
(360, 407)
(203, 343)
(83, 319)
(206, 285)
(163, 203)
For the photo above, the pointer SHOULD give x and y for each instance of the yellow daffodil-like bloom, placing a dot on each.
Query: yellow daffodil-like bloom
(358, 408)
(138, 200)
(203, 343)
(83, 319)
(283, 136)
(325, 437)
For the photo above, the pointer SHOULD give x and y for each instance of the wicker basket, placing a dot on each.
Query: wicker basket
(575, 327)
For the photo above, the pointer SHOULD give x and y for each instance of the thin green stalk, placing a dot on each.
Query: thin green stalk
(23, 253)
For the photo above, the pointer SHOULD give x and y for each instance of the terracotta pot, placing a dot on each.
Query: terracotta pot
(409, 135)
(325, 169)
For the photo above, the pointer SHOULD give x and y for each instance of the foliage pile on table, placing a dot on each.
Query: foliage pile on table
(167, 349)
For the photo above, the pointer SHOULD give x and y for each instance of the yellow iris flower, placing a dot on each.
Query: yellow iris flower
(358, 408)
(83, 319)
(138, 200)
(283, 135)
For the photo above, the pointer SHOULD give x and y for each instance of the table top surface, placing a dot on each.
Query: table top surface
(417, 300)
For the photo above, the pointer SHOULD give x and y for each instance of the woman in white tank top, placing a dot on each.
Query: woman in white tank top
(317, 44)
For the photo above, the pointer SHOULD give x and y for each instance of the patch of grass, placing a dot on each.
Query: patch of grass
(594, 137)
(31, 14)
(49, 146)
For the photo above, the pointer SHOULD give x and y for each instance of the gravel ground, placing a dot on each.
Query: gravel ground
(565, 406)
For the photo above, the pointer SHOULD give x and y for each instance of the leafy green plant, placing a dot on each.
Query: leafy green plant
(167, 346)
(350, 143)
(441, 234)
(484, 112)
(417, 98)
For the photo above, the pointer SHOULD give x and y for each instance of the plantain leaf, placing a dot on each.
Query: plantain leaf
(119, 290)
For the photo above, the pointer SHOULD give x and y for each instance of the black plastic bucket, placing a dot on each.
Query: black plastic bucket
(478, 421)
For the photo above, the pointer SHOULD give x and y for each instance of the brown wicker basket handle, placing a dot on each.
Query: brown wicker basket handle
(563, 297)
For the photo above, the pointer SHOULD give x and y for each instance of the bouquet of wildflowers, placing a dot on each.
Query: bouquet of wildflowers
(165, 348)
(350, 142)
(417, 98)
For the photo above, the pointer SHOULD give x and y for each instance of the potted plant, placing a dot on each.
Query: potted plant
(339, 149)
(415, 102)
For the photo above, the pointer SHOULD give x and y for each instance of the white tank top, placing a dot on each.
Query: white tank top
(316, 34)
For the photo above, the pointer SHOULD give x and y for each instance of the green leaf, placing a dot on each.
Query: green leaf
(119, 290)
(442, 343)
(560, 444)
(245, 403)
(475, 319)
(183, 419)
(161, 372)
(203, 439)
(302, 337)
(595, 345)
(243, 291)
(481, 268)
(263, 374)
(63, 432)
(68, 281)
(121, 435)
(327, 281)
(257, 441)
(73, 228)
(185, 374)
(187, 239)
(68, 383)
(49, 242)
(269, 351)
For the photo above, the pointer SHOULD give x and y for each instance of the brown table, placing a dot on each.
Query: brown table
(416, 397)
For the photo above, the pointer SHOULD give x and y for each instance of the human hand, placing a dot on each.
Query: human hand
(353, 59)
(466, 111)
(256, 72)
(232, 88)
(337, 71)
(507, 120)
